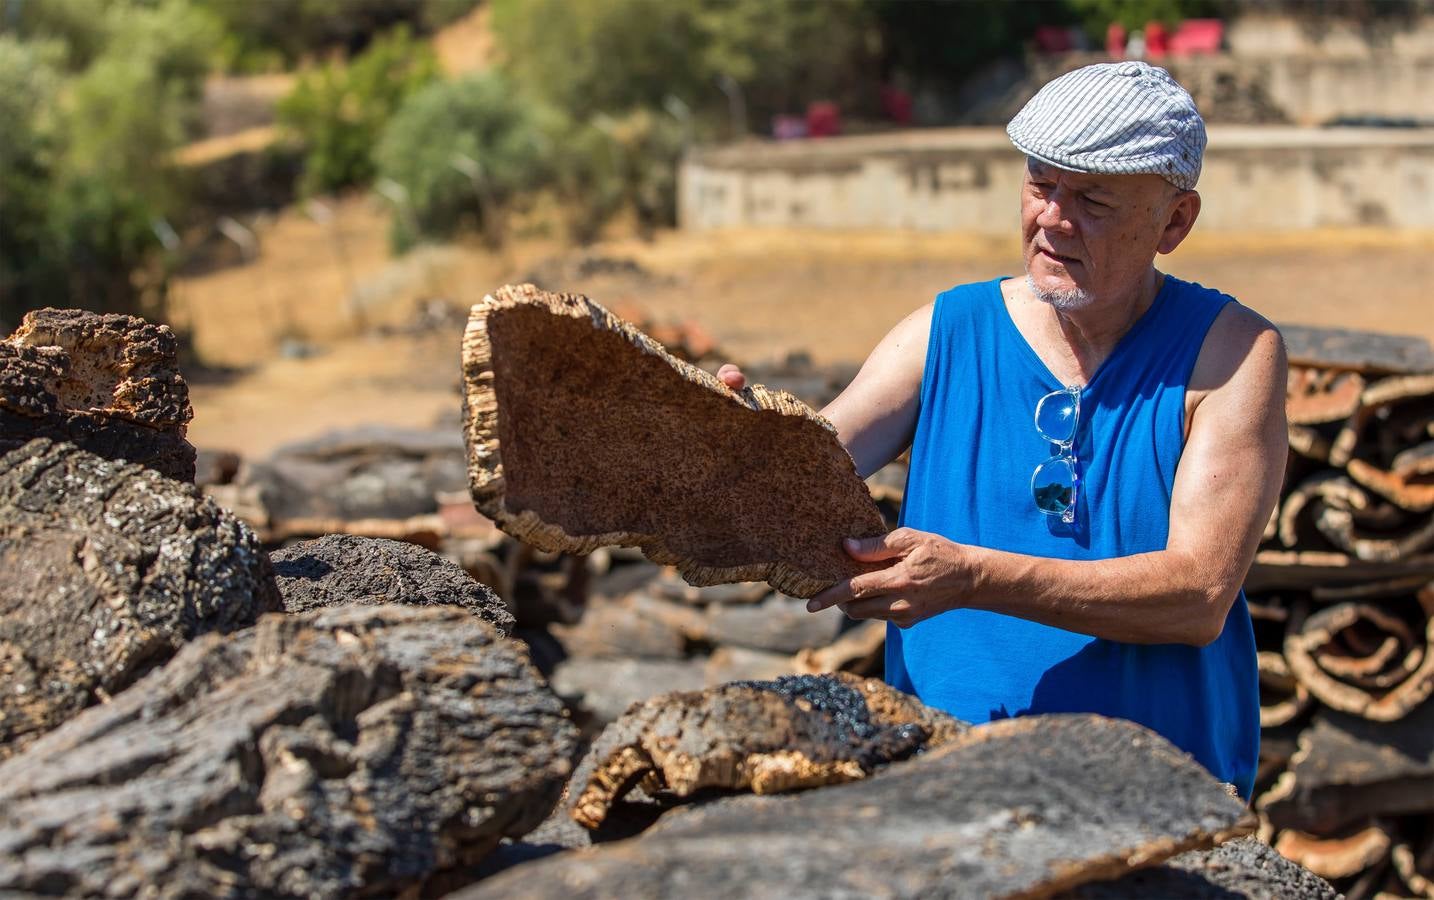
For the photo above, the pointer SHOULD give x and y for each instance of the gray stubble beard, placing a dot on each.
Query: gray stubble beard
(1064, 301)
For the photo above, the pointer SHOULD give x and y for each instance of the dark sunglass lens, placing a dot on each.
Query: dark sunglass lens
(1053, 486)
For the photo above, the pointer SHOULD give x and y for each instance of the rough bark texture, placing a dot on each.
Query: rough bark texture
(1238, 869)
(340, 569)
(369, 472)
(764, 736)
(346, 752)
(1360, 351)
(1020, 808)
(1348, 768)
(1357, 658)
(106, 569)
(107, 383)
(583, 432)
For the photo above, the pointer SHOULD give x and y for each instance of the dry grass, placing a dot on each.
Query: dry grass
(760, 293)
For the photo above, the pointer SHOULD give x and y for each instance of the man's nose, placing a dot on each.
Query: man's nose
(1052, 216)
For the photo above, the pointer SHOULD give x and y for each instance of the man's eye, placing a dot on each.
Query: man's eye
(1096, 204)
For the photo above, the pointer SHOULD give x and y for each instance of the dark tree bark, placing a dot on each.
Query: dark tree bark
(109, 384)
(347, 752)
(106, 569)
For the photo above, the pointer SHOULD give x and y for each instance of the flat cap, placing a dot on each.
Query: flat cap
(1123, 118)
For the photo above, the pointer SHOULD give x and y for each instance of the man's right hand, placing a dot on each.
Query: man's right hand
(732, 376)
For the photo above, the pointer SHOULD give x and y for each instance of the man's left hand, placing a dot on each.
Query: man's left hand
(928, 575)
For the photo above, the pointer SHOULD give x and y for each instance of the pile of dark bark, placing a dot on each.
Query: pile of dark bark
(184, 714)
(1342, 594)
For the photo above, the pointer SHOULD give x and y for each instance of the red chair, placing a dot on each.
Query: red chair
(823, 119)
(1198, 36)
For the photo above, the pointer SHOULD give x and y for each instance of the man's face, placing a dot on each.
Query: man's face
(1088, 237)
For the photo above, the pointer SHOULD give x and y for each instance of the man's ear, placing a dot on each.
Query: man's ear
(1179, 219)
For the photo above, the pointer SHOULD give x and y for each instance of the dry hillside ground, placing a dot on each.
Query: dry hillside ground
(759, 293)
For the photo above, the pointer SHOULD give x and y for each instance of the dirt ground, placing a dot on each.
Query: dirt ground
(330, 290)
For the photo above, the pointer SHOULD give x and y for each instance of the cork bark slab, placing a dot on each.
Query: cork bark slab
(1348, 768)
(106, 569)
(109, 384)
(1245, 868)
(1020, 808)
(583, 432)
(1357, 658)
(341, 569)
(763, 736)
(347, 752)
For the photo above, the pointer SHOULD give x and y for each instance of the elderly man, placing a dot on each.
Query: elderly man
(1095, 448)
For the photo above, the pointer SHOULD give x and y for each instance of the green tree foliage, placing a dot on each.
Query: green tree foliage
(1132, 14)
(29, 81)
(462, 151)
(606, 165)
(267, 34)
(86, 169)
(945, 41)
(338, 110)
(613, 56)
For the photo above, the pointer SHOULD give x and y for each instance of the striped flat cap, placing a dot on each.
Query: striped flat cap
(1123, 118)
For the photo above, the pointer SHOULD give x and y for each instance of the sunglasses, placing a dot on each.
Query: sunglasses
(1054, 483)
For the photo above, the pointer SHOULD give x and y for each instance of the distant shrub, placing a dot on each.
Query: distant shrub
(610, 164)
(338, 111)
(462, 151)
(89, 131)
(612, 56)
(267, 34)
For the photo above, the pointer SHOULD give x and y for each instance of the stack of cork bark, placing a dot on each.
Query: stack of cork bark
(1342, 593)
(183, 713)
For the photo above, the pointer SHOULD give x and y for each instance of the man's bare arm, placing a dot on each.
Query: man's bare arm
(1228, 480)
(875, 417)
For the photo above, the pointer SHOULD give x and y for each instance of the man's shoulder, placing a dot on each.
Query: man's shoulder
(1238, 339)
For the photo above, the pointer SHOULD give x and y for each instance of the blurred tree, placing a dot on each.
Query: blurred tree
(462, 151)
(1132, 14)
(29, 81)
(613, 56)
(267, 34)
(945, 41)
(85, 176)
(338, 110)
(610, 164)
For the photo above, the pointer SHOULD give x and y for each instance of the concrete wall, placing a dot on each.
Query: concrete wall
(1302, 89)
(968, 179)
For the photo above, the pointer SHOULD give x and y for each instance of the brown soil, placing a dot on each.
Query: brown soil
(761, 294)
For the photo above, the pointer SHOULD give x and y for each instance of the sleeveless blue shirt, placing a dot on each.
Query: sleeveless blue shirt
(975, 448)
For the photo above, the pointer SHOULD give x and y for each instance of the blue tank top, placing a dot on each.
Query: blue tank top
(975, 448)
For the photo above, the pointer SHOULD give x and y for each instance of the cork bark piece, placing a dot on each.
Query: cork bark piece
(1357, 658)
(347, 752)
(106, 570)
(109, 384)
(1356, 351)
(1246, 868)
(584, 432)
(1336, 856)
(1282, 697)
(1348, 769)
(1020, 808)
(762, 736)
(1317, 397)
(340, 569)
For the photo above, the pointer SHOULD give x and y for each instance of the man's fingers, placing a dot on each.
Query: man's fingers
(858, 587)
(889, 608)
(732, 376)
(875, 549)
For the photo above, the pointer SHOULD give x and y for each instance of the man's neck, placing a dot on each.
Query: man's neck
(1074, 342)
